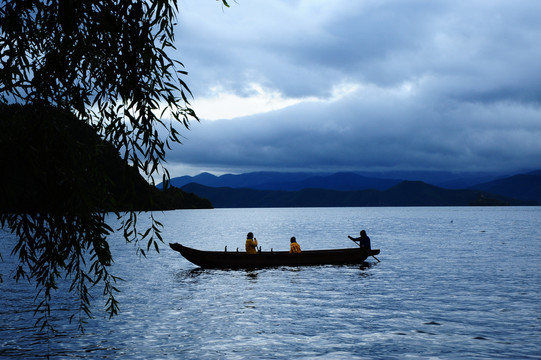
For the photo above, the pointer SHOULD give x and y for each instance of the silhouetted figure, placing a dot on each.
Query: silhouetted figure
(363, 240)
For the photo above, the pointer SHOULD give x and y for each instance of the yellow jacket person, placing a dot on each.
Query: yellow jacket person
(251, 244)
(295, 247)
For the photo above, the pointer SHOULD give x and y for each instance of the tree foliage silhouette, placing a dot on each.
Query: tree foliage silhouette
(108, 64)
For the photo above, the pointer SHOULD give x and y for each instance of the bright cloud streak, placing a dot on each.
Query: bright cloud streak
(225, 104)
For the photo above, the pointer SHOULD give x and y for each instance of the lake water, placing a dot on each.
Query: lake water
(453, 283)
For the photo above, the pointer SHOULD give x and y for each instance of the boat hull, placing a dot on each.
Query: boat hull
(242, 260)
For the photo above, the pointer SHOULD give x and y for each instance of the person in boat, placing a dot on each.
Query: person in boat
(251, 243)
(295, 248)
(363, 240)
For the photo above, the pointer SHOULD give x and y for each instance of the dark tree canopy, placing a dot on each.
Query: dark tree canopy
(107, 64)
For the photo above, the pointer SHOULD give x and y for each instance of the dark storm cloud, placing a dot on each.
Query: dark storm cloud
(437, 85)
(387, 133)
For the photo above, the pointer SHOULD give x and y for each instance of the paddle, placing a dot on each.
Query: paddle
(360, 247)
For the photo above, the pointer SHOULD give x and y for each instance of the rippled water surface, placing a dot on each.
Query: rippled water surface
(453, 283)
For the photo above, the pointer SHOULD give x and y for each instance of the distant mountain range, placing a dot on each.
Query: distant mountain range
(287, 181)
(521, 186)
(276, 189)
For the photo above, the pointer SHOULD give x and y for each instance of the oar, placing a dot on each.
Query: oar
(354, 241)
(360, 247)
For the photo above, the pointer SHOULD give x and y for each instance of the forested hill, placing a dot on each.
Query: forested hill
(47, 155)
(521, 186)
(406, 193)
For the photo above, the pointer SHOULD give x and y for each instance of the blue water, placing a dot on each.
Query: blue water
(453, 283)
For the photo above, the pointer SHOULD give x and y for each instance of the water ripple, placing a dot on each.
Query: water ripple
(466, 289)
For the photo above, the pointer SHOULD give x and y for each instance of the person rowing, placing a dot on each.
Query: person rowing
(363, 241)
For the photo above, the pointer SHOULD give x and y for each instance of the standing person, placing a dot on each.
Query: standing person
(294, 248)
(364, 240)
(251, 243)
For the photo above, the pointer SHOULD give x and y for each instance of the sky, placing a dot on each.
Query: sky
(365, 85)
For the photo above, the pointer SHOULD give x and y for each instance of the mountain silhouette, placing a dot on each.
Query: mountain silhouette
(522, 186)
(406, 193)
(517, 189)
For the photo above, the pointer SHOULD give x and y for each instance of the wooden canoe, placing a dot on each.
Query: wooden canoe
(242, 260)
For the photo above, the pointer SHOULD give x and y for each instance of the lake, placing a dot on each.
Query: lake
(453, 283)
